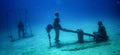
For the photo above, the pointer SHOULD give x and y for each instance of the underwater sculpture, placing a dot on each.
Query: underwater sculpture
(22, 34)
(21, 31)
(49, 27)
(99, 36)
(23, 28)
(57, 27)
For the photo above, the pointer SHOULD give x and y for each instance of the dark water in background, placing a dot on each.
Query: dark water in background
(41, 12)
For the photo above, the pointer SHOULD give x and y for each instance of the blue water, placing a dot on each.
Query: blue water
(74, 14)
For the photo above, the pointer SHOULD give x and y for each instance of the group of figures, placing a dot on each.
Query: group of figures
(100, 36)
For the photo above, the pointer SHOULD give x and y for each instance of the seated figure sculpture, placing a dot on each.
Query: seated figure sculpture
(101, 35)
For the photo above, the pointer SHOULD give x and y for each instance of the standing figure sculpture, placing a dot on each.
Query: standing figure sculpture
(21, 31)
(57, 27)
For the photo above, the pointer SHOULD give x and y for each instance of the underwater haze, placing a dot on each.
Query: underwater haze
(34, 16)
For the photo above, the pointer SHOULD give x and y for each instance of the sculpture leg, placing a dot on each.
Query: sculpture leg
(57, 36)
